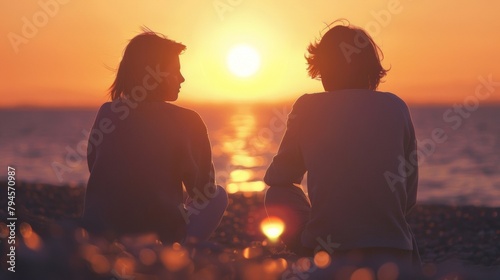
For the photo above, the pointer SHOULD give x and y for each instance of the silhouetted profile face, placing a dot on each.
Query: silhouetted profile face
(149, 69)
(169, 89)
(346, 57)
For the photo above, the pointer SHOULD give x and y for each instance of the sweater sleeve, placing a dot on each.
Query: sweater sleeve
(412, 177)
(410, 156)
(92, 142)
(198, 170)
(287, 167)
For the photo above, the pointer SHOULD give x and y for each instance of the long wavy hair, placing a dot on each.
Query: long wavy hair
(147, 49)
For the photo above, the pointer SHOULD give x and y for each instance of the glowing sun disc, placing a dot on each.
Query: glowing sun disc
(243, 61)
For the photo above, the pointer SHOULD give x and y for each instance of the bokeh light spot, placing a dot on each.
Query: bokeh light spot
(124, 267)
(100, 264)
(388, 271)
(4, 230)
(363, 274)
(147, 256)
(25, 230)
(303, 264)
(175, 258)
(252, 252)
(322, 259)
(272, 227)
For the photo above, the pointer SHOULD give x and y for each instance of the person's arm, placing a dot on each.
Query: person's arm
(287, 167)
(198, 170)
(91, 147)
(412, 177)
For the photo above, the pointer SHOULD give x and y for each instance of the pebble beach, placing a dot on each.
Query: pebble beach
(455, 242)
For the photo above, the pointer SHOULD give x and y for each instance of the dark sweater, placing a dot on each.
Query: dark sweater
(139, 158)
(359, 149)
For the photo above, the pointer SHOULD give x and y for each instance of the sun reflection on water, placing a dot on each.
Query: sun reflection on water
(241, 175)
(244, 151)
(247, 161)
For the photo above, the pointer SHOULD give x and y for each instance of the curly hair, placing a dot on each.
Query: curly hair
(346, 57)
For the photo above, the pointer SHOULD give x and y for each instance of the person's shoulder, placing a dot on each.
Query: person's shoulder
(105, 106)
(398, 104)
(184, 112)
(187, 116)
(311, 96)
(307, 98)
(308, 101)
(393, 98)
(104, 109)
(391, 95)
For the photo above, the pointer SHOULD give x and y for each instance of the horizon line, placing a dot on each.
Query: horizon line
(217, 103)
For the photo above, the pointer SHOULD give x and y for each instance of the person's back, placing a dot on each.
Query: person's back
(137, 169)
(350, 141)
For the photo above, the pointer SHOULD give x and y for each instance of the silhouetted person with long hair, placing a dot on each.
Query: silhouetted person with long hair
(142, 150)
(358, 148)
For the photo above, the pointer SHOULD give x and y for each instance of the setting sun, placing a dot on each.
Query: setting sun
(243, 61)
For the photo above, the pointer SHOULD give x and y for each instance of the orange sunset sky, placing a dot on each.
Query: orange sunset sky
(57, 53)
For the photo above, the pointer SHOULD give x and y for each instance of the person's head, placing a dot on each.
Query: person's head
(149, 70)
(346, 57)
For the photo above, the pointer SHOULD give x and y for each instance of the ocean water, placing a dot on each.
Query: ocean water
(459, 151)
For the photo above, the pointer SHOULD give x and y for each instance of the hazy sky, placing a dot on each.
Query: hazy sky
(61, 53)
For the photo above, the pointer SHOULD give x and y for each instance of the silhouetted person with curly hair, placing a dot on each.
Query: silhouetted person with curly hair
(358, 148)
